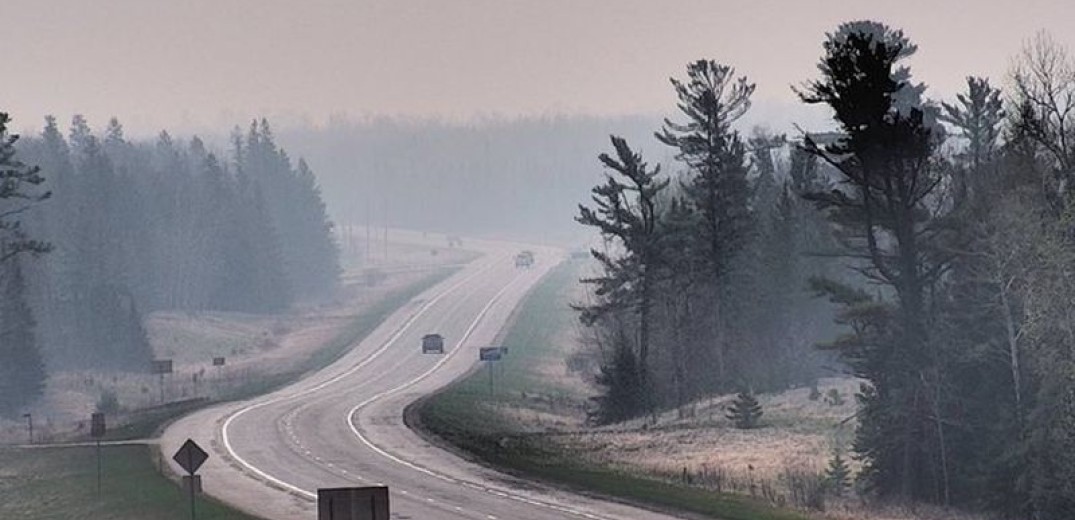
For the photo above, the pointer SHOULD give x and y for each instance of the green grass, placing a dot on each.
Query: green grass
(464, 415)
(531, 340)
(59, 483)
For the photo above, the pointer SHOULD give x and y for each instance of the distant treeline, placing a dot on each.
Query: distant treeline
(507, 177)
(135, 227)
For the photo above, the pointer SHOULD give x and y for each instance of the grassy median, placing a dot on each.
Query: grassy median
(488, 421)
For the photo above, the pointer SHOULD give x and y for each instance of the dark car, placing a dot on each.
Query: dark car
(433, 343)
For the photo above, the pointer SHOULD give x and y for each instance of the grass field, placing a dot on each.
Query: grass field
(505, 424)
(147, 423)
(61, 483)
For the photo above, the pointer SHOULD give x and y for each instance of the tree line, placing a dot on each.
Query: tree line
(113, 229)
(939, 237)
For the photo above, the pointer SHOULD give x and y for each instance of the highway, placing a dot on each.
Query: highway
(343, 425)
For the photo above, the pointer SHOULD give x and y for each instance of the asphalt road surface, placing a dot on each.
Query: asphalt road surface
(343, 426)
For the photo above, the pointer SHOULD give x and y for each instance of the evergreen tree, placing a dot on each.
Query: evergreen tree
(623, 383)
(17, 196)
(838, 474)
(714, 154)
(745, 411)
(887, 214)
(626, 213)
(22, 371)
(711, 100)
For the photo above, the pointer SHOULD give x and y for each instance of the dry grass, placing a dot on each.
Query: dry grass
(858, 510)
(256, 347)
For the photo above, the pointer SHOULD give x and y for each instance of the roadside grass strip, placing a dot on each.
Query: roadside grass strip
(52, 483)
(468, 415)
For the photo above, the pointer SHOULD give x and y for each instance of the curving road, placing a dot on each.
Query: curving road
(343, 426)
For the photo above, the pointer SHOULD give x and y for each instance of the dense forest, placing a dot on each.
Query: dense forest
(100, 231)
(938, 236)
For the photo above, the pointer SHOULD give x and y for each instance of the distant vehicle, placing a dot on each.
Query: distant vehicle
(432, 343)
(524, 259)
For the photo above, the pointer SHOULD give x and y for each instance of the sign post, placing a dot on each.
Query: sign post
(97, 430)
(30, 425)
(490, 354)
(190, 457)
(219, 362)
(161, 367)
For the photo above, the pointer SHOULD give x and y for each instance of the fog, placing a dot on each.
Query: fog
(688, 219)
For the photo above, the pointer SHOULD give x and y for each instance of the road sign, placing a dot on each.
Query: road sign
(358, 503)
(489, 354)
(162, 366)
(190, 456)
(97, 425)
(218, 361)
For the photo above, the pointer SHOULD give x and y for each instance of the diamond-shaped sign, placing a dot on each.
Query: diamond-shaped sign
(190, 456)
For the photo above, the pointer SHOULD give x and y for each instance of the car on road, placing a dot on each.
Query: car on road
(524, 259)
(433, 343)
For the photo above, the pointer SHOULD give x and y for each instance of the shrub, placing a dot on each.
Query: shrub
(833, 397)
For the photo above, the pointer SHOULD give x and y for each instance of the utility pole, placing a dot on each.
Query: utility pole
(97, 430)
(30, 425)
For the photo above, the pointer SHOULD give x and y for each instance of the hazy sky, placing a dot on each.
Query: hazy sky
(196, 64)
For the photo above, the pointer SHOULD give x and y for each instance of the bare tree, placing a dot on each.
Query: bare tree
(1044, 78)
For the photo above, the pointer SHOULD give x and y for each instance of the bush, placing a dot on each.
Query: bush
(833, 397)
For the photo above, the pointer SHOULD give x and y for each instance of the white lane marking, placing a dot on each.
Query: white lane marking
(392, 339)
(498, 492)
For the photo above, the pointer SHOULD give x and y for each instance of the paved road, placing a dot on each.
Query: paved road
(343, 426)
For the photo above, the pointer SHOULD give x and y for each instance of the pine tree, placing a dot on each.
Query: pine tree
(838, 474)
(711, 100)
(22, 371)
(17, 182)
(890, 212)
(745, 411)
(626, 212)
(621, 378)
